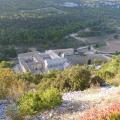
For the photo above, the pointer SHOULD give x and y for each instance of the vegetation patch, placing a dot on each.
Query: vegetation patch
(71, 79)
(110, 71)
(34, 102)
(110, 113)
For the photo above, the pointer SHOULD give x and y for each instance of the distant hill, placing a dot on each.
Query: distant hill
(47, 24)
(16, 5)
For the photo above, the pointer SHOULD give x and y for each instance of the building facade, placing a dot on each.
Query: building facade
(38, 63)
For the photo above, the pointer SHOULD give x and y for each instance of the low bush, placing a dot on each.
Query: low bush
(31, 78)
(10, 86)
(115, 81)
(13, 113)
(110, 70)
(6, 64)
(96, 81)
(34, 102)
(14, 85)
(71, 79)
(110, 113)
(114, 117)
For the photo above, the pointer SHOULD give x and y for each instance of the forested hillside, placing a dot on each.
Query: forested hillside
(47, 24)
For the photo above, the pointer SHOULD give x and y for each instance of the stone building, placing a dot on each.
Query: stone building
(59, 59)
(37, 62)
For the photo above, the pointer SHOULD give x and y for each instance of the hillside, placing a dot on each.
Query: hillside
(65, 95)
(74, 92)
(75, 104)
(48, 25)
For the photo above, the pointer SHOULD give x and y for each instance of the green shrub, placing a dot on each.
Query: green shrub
(31, 78)
(6, 64)
(114, 117)
(96, 81)
(106, 75)
(13, 112)
(110, 70)
(32, 103)
(10, 85)
(71, 79)
(74, 78)
(115, 81)
(26, 103)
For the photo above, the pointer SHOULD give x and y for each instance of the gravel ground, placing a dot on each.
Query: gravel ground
(75, 103)
(3, 107)
(94, 95)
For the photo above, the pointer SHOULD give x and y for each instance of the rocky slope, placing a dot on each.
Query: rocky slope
(74, 103)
